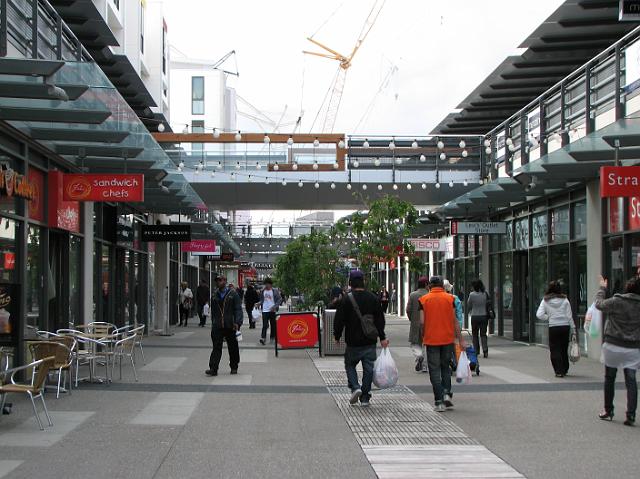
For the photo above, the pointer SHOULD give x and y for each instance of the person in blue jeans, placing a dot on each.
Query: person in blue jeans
(359, 347)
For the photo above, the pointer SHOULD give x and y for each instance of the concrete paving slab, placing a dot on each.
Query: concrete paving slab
(165, 363)
(169, 409)
(511, 376)
(232, 380)
(6, 466)
(28, 434)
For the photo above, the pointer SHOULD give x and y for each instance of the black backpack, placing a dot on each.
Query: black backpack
(366, 321)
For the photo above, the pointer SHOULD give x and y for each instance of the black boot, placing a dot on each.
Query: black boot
(606, 415)
(631, 419)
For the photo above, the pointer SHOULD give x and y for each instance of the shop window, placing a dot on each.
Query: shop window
(507, 294)
(75, 261)
(197, 95)
(581, 279)
(560, 224)
(507, 239)
(522, 233)
(461, 241)
(8, 250)
(471, 245)
(538, 286)
(539, 229)
(579, 220)
(615, 263)
(34, 280)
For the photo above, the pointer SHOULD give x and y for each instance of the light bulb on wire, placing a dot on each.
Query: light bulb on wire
(365, 144)
(414, 144)
(216, 133)
(423, 158)
(266, 139)
(290, 140)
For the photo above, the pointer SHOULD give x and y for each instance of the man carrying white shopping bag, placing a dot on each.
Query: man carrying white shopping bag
(360, 315)
(440, 331)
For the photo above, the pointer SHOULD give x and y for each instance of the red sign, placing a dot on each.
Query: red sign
(634, 213)
(199, 246)
(36, 204)
(9, 261)
(620, 181)
(297, 330)
(110, 187)
(62, 214)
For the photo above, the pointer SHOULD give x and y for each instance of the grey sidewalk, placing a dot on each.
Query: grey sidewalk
(278, 419)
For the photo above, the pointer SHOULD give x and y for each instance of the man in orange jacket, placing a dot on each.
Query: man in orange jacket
(440, 332)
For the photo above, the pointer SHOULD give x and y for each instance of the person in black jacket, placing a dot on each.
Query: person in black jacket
(359, 347)
(251, 297)
(226, 319)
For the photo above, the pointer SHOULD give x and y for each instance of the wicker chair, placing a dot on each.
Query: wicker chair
(62, 350)
(34, 390)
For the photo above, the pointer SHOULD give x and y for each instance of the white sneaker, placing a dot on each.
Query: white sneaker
(447, 401)
(355, 395)
(440, 407)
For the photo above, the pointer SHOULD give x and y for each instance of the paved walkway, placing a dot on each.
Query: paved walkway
(288, 417)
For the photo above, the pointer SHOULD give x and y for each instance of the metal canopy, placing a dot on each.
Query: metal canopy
(86, 22)
(23, 66)
(573, 34)
(93, 150)
(11, 89)
(61, 114)
(78, 134)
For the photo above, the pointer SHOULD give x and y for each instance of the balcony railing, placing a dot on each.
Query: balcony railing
(595, 95)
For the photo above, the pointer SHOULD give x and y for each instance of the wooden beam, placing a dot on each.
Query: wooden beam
(247, 138)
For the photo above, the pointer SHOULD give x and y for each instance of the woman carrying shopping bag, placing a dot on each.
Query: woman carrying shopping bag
(556, 310)
(620, 344)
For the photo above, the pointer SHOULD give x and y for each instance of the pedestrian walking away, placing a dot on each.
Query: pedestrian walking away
(251, 297)
(203, 294)
(620, 344)
(185, 303)
(355, 308)
(226, 319)
(270, 301)
(440, 332)
(478, 305)
(415, 324)
(556, 310)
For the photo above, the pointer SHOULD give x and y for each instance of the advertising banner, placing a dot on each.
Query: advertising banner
(121, 188)
(62, 214)
(428, 244)
(632, 67)
(203, 247)
(478, 228)
(297, 331)
(619, 181)
(165, 233)
(9, 301)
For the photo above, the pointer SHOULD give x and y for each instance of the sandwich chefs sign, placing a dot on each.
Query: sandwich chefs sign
(118, 188)
(619, 181)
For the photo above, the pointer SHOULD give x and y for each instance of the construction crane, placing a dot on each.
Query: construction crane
(333, 97)
(383, 86)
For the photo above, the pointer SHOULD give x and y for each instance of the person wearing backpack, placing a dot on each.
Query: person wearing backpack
(440, 332)
(360, 316)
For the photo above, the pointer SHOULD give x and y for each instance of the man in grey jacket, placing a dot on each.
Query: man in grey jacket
(415, 327)
(226, 319)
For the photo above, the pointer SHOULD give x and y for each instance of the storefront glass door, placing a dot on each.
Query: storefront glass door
(538, 287)
(507, 295)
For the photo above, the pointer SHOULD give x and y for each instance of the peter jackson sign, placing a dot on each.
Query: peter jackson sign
(13, 184)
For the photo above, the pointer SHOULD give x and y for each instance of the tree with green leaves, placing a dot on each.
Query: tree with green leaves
(310, 266)
(381, 233)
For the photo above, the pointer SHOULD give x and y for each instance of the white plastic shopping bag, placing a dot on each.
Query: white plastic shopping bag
(238, 336)
(463, 371)
(594, 317)
(256, 314)
(574, 349)
(385, 372)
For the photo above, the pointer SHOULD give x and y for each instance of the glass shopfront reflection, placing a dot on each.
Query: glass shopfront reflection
(35, 280)
(507, 294)
(539, 285)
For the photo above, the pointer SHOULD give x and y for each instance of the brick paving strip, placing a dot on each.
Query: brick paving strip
(403, 437)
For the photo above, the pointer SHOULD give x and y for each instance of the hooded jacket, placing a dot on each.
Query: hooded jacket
(415, 315)
(226, 311)
(556, 309)
(622, 327)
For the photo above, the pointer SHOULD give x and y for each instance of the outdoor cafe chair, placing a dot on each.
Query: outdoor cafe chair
(46, 334)
(98, 328)
(61, 352)
(139, 332)
(34, 390)
(125, 347)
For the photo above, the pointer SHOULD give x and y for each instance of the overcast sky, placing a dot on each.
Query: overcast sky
(441, 48)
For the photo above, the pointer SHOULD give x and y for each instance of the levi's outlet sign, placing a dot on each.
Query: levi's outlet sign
(478, 228)
(619, 181)
(116, 188)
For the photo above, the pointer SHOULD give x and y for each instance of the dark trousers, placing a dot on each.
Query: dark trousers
(268, 321)
(352, 356)
(217, 337)
(184, 315)
(249, 308)
(559, 348)
(438, 358)
(610, 387)
(202, 317)
(385, 306)
(479, 326)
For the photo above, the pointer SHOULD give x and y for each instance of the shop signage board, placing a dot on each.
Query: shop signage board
(14, 184)
(114, 188)
(227, 257)
(298, 331)
(629, 10)
(165, 233)
(428, 244)
(196, 247)
(37, 203)
(634, 213)
(478, 228)
(619, 181)
(62, 214)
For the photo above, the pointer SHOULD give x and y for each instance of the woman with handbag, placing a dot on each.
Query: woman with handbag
(478, 306)
(620, 344)
(185, 303)
(556, 310)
